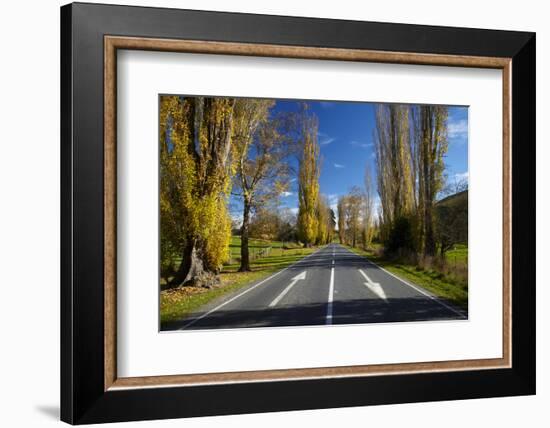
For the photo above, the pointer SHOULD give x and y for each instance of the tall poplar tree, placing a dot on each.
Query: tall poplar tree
(431, 130)
(324, 221)
(368, 213)
(394, 163)
(341, 209)
(354, 208)
(196, 137)
(308, 181)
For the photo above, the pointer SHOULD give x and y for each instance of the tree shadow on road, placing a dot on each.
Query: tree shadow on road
(355, 311)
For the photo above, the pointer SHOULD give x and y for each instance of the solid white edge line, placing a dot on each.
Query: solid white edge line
(245, 291)
(425, 293)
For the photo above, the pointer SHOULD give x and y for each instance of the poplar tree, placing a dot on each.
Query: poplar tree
(394, 165)
(354, 207)
(431, 131)
(308, 181)
(341, 208)
(325, 227)
(368, 213)
(195, 182)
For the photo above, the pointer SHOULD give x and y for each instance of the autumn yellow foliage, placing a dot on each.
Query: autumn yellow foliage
(195, 178)
(308, 191)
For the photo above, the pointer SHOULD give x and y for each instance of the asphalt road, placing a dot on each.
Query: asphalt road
(330, 286)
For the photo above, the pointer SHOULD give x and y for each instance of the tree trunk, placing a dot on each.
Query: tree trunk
(245, 257)
(191, 267)
(429, 247)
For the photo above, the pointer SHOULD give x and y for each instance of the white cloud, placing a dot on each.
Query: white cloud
(458, 129)
(339, 165)
(294, 210)
(332, 199)
(326, 140)
(359, 144)
(286, 194)
(461, 176)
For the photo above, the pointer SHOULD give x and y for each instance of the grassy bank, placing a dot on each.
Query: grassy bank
(176, 304)
(439, 284)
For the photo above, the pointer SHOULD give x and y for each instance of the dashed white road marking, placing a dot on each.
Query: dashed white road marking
(288, 287)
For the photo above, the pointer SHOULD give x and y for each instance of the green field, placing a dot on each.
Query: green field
(458, 255)
(264, 254)
(259, 249)
(446, 286)
(176, 304)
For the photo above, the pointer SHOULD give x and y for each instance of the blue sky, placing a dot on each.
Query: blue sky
(346, 142)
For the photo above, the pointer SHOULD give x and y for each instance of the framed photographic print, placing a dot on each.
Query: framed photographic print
(266, 213)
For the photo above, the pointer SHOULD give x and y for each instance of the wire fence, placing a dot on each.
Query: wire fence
(255, 253)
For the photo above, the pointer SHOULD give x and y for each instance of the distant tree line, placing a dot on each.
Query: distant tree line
(352, 223)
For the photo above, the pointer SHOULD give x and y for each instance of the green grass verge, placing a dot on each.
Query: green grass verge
(176, 304)
(433, 281)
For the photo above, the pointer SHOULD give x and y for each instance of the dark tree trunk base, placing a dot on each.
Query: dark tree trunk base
(192, 272)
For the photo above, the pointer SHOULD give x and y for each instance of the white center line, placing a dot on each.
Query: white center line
(330, 297)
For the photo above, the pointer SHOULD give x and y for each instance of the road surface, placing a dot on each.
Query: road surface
(330, 286)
